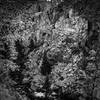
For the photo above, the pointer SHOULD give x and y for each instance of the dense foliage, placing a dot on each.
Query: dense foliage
(50, 50)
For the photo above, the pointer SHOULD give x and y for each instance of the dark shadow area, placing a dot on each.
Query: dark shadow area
(69, 97)
(46, 66)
